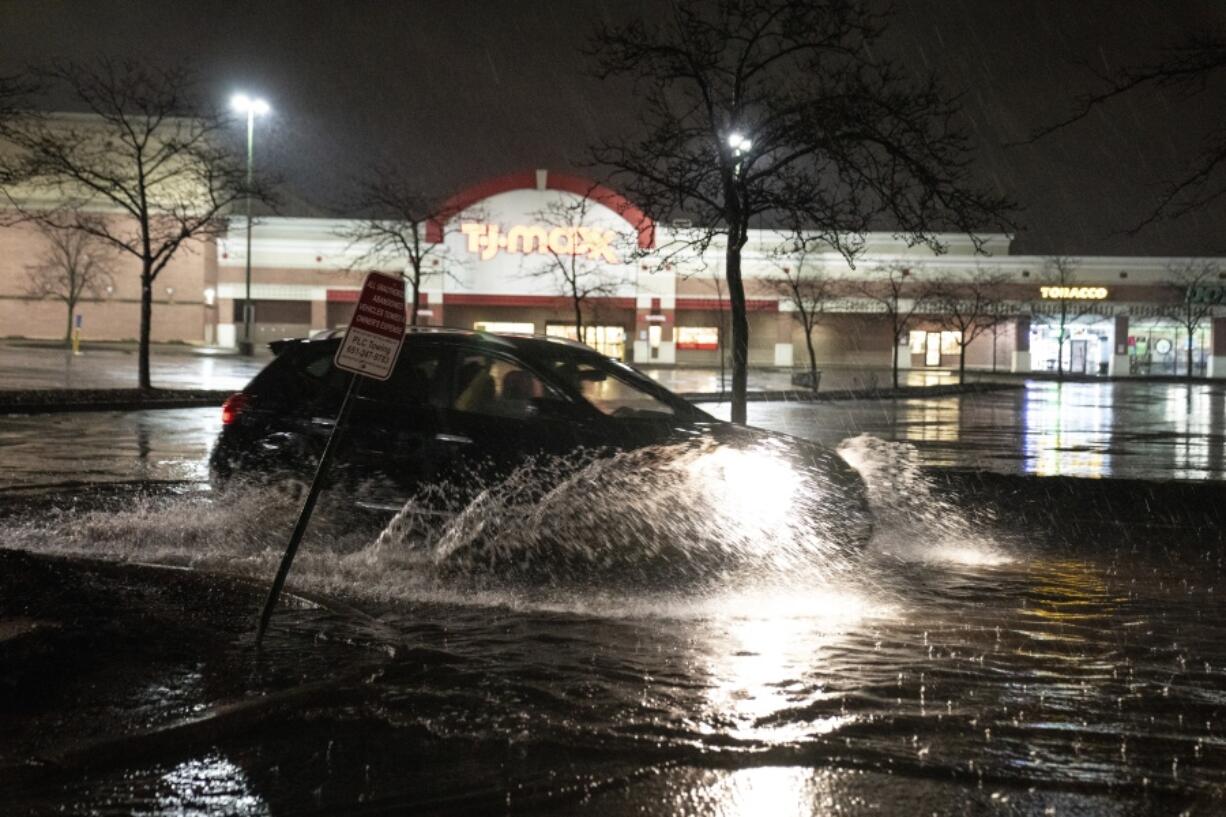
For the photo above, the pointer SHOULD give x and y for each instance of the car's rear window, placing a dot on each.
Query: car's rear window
(302, 375)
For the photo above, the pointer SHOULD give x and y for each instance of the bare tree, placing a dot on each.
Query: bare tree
(1187, 69)
(392, 231)
(788, 110)
(722, 333)
(15, 94)
(902, 295)
(73, 265)
(1190, 309)
(580, 257)
(1059, 281)
(148, 170)
(969, 304)
(807, 290)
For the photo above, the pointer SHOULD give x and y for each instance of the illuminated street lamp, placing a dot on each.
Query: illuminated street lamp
(252, 107)
(740, 146)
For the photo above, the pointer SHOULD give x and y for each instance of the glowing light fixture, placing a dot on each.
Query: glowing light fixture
(739, 143)
(245, 104)
(253, 108)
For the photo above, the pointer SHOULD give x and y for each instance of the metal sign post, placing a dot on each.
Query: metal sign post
(370, 349)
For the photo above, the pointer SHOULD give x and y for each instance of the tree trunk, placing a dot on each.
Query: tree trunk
(740, 324)
(1189, 355)
(1060, 347)
(961, 364)
(895, 334)
(146, 325)
(415, 284)
(812, 357)
(894, 361)
(578, 303)
(68, 332)
(723, 349)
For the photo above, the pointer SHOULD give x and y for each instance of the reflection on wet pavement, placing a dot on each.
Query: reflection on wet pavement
(107, 446)
(1136, 430)
(25, 367)
(832, 379)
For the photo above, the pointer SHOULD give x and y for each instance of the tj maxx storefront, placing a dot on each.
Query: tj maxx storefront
(494, 267)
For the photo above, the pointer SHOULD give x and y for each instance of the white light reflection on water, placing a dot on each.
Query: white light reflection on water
(209, 785)
(777, 791)
(1067, 429)
(1187, 409)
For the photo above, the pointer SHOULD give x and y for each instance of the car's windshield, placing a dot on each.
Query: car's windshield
(612, 387)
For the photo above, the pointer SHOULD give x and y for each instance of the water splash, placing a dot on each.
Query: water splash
(913, 522)
(693, 516)
(668, 525)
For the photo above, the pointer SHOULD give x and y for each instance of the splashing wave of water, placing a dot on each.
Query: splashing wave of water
(687, 516)
(696, 517)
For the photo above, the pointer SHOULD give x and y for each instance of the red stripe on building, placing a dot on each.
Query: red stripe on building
(545, 301)
(350, 296)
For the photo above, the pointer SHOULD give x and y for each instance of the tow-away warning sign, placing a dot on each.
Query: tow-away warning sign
(372, 342)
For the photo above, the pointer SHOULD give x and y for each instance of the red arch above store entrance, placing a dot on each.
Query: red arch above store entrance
(545, 180)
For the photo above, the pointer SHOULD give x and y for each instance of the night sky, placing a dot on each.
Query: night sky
(464, 90)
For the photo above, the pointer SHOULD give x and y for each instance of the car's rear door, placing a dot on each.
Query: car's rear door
(500, 412)
(391, 446)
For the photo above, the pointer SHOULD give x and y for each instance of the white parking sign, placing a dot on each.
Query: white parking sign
(372, 342)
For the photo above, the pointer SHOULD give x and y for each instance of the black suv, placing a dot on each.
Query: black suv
(463, 403)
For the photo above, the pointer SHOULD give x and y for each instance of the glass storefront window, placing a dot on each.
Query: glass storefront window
(950, 342)
(1161, 348)
(704, 338)
(918, 341)
(505, 327)
(608, 340)
(1086, 347)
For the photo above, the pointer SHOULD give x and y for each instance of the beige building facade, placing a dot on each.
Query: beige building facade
(658, 303)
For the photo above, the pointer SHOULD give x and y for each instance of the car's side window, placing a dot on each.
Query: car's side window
(419, 379)
(495, 386)
(610, 394)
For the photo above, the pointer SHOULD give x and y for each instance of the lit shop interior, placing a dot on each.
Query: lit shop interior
(1155, 347)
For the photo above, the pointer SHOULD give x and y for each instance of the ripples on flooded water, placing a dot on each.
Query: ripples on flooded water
(1014, 664)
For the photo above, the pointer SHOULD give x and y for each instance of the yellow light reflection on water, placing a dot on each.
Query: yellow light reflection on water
(764, 660)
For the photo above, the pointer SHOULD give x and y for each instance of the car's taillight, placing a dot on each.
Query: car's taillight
(233, 407)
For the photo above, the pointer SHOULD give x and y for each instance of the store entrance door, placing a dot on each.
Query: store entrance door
(932, 349)
(1077, 356)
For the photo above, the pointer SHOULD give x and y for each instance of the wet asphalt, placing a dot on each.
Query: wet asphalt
(1135, 430)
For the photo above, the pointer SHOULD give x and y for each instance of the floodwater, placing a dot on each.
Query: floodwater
(37, 367)
(1001, 644)
(1140, 430)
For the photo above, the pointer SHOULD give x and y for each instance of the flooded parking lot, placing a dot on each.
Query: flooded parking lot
(1134, 430)
(1015, 645)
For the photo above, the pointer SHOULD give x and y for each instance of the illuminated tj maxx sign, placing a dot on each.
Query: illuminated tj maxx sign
(489, 239)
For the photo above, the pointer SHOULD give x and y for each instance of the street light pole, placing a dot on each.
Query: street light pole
(251, 107)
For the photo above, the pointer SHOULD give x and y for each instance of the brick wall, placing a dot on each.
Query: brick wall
(179, 311)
